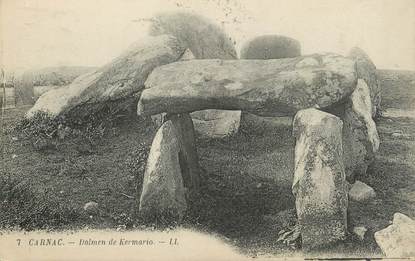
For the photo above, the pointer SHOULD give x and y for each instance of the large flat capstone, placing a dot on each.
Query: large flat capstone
(277, 87)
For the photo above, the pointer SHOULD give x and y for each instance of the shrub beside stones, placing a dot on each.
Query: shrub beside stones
(271, 47)
(205, 39)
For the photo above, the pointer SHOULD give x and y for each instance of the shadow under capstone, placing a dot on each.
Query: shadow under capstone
(247, 178)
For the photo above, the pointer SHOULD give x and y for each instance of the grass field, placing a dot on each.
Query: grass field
(246, 196)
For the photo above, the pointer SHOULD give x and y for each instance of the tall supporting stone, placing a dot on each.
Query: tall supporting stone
(319, 179)
(188, 158)
(366, 70)
(360, 136)
(172, 171)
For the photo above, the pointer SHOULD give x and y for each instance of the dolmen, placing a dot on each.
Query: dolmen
(336, 137)
(187, 77)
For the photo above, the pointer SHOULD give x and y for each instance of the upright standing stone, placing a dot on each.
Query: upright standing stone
(366, 70)
(189, 160)
(172, 171)
(360, 136)
(163, 196)
(319, 179)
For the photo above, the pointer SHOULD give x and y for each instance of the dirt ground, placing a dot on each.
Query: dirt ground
(246, 196)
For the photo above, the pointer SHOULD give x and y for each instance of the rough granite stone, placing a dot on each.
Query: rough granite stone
(263, 87)
(319, 183)
(360, 136)
(398, 239)
(361, 192)
(366, 70)
(216, 123)
(120, 79)
(172, 171)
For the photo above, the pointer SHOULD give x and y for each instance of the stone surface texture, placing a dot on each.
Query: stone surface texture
(172, 171)
(263, 87)
(360, 136)
(163, 193)
(366, 70)
(361, 192)
(216, 123)
(120, 79)
(319, 185)
(398, 239)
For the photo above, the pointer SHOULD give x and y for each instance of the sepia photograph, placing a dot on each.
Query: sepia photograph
(207, 130)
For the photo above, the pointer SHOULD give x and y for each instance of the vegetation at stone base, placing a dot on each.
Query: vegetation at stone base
(46, 188)
(43, 129)
(246, 195)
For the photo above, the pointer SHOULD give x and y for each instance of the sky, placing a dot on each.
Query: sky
(43, 33)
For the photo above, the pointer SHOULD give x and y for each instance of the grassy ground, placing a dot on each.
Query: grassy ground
(246, 195)
(47, 186)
